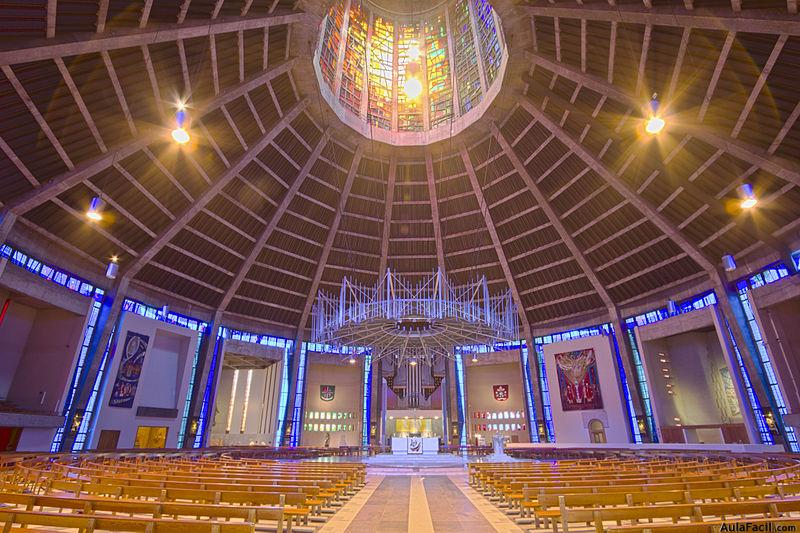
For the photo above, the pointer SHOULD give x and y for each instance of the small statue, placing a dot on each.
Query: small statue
(327, 439)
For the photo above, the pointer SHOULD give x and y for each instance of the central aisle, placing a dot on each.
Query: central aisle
(399, 501)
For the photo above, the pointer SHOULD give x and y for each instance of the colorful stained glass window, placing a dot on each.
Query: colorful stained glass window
(409, 111)
(329, 49)
(450, 56)
(467, 71)
(381, 73)
(487, 33)
(440, 88)
(355, 57)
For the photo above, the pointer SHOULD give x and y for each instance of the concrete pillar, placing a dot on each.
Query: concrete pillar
(200, 381)
(733, 367)
(7, 219)
(108, 319)
(731, 310)
(626, 356)
(294, 363)
(536, 390)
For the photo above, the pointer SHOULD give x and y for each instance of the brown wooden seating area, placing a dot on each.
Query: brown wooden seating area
(673, 494)
(214, 493)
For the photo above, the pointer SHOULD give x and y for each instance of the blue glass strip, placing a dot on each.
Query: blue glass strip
(768, 372)
(644, 390)
(299, 397)
(533, 426)
(547, 408)
(462, 408)
(366, 401)
(77, 376)
(755, 404)
(202, 421)
(88, 419)
(632, 420)
(283, 402)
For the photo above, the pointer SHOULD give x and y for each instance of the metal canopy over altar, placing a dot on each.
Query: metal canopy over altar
(414, 322)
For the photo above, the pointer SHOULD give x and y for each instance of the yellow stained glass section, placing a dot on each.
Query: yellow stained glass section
(440, 89)
(381, 70)
(409, 111)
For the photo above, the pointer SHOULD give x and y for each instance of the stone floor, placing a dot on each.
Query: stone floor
(424, 501)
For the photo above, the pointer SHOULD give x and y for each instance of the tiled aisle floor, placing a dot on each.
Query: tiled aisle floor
(418, 503)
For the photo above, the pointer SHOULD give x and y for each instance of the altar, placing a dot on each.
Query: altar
(415, 445)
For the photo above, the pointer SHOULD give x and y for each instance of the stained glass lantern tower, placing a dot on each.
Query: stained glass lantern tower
(409, 75)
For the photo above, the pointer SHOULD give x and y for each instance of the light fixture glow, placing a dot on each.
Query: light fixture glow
(413, 362)
(412, 88)
(749, 203)
(474, 358)
(352, 360)
(180, 136)
(114, 258)
(655, 125)
(94, 213)
(748, 197)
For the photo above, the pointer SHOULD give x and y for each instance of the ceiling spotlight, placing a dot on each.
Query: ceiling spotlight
(412, 88)
(113, 268)
(474, 358)
(747, 196)
(655, 123)
(352, 360)
(729, 263)
(180, 136)
(94, 213)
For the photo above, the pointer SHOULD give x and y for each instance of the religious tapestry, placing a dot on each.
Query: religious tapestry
(327, 392)
(578, 381)
(500, 392)
(130, 370)
(415, 445)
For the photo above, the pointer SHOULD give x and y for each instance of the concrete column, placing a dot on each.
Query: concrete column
(200, 381)
(377, 407)
(108, 319)
(536, 391)
(628, 365)
(7, 219)
(747, 349)
(294, 363)
(733, 367)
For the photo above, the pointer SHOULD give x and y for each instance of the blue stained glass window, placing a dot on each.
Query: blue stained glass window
(365, 406)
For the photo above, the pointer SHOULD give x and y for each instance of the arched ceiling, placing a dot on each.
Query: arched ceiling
(554, 193)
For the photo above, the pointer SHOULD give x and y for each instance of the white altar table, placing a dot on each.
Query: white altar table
(415, 445)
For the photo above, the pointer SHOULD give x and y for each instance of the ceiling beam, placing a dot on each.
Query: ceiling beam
(209, 194)
(52, 13)
(783, 168)
(655, 217)
(326, 249)
(437, 221)
(674, 16)
(712, 84)
(498, 247)
(759, 85)
(93, 43)
(83, 171)
(556, 222)
(273, 222)
(387, 216)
